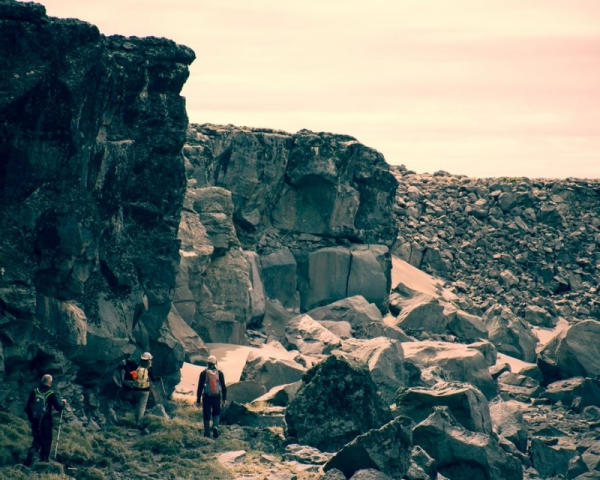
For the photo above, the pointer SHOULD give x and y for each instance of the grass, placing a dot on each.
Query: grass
(172, 449)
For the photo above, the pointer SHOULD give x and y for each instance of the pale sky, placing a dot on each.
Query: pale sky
(484, 88)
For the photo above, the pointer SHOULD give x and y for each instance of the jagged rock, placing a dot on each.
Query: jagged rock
(334, 474)
(487, 349)
(468, 328)
(564, 391)
(520, 387)
(337, 402)
(460, 453)
(304, 454)
(551, 456)
(539, 316)
(310, 337)
(510, 334)
(341, 329)
(370, 474)
(572, 353)
(422, 313)
(281, 395)
(269, 371)
(457, 362)
(245, 391)
(229, 459)
(386, 449)
(385, 359)
(467, 404)
(364, 317)
(192, 344)
(422, 466)
(507, 418)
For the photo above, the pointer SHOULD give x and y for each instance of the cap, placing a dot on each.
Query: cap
(46, 380)
(212, 359)
(146, 356)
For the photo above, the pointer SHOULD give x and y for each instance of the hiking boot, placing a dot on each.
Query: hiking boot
(206, 434)
(215, 432)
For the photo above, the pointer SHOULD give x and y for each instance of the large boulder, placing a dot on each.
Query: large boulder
(337, 402)
(507, 418)
(510, 334)
(387, 449)
(422, 313)
(457, 362)
(573, 352)
(310, 337)
(334, 273)
(270, 371)
(460, 453)
(467, 404)
(385, 360)
(280, 277)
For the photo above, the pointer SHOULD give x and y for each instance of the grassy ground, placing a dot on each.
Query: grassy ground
(172, 448)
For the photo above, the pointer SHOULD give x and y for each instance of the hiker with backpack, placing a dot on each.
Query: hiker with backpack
(212, 394)
(143, 378)
(41, 402)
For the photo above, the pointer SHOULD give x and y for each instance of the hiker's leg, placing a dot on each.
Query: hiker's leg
(216, 415)
(46, 441)
(206, 411)
(36, 443)
(141, 405)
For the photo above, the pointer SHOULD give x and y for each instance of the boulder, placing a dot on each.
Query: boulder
(281, 395)
(508, 422)
(422, 313)
(257, 293)
(269, 371)
(467, 404)
(572, 353)
(510, 334)
(519, 387)
(245, 391)
(309, 337)
(467, 328)
(457, 362)
(460, 453)
(337, 402)
(387, 449)
(551, 456)
(385, 359)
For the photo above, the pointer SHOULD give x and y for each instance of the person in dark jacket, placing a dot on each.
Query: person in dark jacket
(41, 429)
(211, 404)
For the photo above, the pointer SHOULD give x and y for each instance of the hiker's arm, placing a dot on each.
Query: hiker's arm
(55, 403)
(201, 382)
(27, 408)
(223, 387)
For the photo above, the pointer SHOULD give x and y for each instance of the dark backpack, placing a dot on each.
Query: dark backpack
(39, 407)
(212, 386)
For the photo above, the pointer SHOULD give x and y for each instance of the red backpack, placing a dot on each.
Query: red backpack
(212, 386)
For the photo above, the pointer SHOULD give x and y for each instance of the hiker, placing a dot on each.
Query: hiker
(212, 393)
(142, 379)
(39, 407)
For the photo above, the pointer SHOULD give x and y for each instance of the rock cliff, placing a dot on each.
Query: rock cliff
(91, 188)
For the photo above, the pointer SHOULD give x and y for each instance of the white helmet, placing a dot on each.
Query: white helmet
(146, 356)
(212, 359)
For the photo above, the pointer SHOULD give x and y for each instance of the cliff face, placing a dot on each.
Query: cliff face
(91, 188)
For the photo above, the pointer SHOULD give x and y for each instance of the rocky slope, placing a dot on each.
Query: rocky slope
(533, 244)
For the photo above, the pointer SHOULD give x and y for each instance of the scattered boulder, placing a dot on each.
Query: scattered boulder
(467, 404)
(510, 334)
(310, 337)
(457, 362)
(551, 455)
(387, 449)
(269, 371)
(508, 421)
(460, 453)
(337, 402)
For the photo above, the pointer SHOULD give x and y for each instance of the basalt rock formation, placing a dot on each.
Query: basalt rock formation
(91, 188)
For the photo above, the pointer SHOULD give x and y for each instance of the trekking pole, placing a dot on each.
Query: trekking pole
(58, 436)
(163, 387)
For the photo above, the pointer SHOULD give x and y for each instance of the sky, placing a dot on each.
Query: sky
(480, 88)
